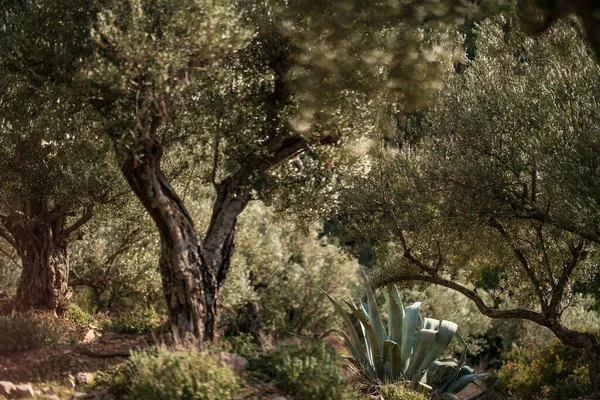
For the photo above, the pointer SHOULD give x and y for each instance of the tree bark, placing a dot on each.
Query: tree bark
(182, 265)
(219, 245)
(44, 279)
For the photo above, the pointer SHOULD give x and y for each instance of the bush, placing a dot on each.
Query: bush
(172, 374)
(135, 322)
(77, 315)
(307, 370)
(550, 372)
(22, 332)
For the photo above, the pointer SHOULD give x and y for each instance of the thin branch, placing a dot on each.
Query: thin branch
(10, 257)
(522, 259)
(545, 259)
(87, 215)
(576, 254)
(406, 250)
(4, 234)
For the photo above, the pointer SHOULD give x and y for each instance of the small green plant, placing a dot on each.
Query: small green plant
(399, 391)
(142, 320)
(409, 349)
(242, 345)
(77, 315)
(171, 374)
(306, 370)
(24, 331)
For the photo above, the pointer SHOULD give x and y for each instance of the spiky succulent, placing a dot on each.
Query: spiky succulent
(410, 348)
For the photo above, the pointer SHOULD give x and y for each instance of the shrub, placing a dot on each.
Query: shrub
(305, 369)
(550, 372)
(143, 320)
(77, 315)
(282, 270)
(22, 332)
(172, 374)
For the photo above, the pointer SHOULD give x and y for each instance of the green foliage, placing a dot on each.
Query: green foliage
(141, 320)
(549, 372)
(400, 391)
(77, 315)
(305, 369)
(243, 345)
(293, 266)
(23, 331)
(172, 374)
(409, 348)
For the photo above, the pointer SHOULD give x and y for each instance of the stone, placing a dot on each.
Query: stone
(6, 388)
(52, 397)
(233, 361)
(23, 391)
(70, 382)
(82, 395)
(90, 336)
(278, 397)
(84, 378)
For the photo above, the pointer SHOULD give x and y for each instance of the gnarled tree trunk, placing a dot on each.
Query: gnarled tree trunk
(44, 279)
(182, 265)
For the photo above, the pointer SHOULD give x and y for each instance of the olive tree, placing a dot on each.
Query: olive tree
(52, 169)
(505, 179)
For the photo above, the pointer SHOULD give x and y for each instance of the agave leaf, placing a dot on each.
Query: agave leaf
(410, 325)
(443, 372)
(480, 395)
(347, 340)
(463, 381)
(424, 340)
(465, 370)
(368, 347)
(395, 310)
(370, 338)
(446, 333)
(395, 359)
(353, 334)
(431, 323)
(374, 315)
(461, 362)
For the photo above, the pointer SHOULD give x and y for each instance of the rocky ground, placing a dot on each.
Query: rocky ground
(66, 372)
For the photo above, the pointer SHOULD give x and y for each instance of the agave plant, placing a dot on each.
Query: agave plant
(410, 348)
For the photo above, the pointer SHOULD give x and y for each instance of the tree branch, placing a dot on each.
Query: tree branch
(576, 253)
(486, 310)
(4, 234)
(522, 259)
(87, 214)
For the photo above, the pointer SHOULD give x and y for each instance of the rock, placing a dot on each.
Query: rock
(70, 382)
(90, 336)
(278, 397)
(84, 378)
(82, 395)
(52, 397)
(233, 361)
(67, 351)
(6, 388)
(23, 391)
